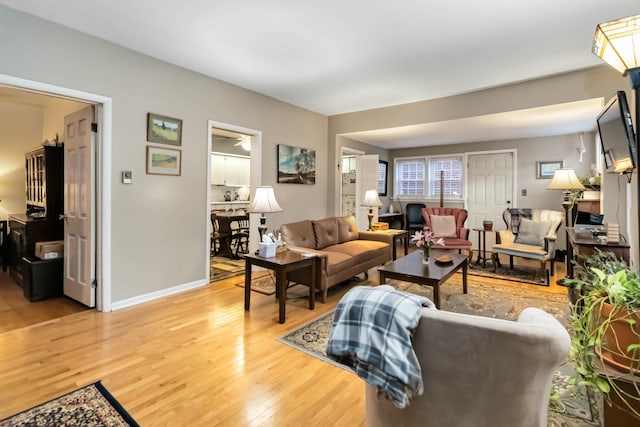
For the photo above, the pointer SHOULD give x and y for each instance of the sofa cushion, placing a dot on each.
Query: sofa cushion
(337, 262)
(347, 228)
(326, 231)
(360, 250)
(443, 226)
(299, 234)
(532, 232)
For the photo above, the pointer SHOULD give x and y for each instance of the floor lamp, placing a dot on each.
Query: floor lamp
(264, 201)
(565, 179)
(371, 200)
(618, 44)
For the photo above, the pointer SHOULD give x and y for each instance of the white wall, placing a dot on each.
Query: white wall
(21, 131)
(158, 222)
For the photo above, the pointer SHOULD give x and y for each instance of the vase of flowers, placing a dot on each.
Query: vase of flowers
(425, 240)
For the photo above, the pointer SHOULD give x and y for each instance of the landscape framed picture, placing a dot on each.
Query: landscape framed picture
(163, 129)
(296, 165)
(163, 161)
(545, 170)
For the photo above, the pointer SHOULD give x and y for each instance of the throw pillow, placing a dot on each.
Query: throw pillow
(326, 231)
(347, 229)
(443, 226)
(532, 232)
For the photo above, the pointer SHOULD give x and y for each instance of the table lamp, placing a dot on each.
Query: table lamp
(565, 179)
(371, 199)
(264, 201)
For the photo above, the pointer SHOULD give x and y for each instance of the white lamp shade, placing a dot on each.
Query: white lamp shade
(565, 179)
(264, 201)
(371, 198)
(618, 43)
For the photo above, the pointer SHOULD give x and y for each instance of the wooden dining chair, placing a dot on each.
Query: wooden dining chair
(218, 238)
(240, 236)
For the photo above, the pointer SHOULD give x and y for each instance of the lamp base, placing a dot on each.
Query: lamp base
(370, 216)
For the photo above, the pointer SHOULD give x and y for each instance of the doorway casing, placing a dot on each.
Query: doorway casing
(103, 175)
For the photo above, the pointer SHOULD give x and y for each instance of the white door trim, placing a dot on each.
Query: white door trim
(103, 175)
(343, 150)
(256, 181)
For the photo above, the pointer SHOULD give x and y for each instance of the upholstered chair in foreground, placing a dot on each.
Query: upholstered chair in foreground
(479, 372)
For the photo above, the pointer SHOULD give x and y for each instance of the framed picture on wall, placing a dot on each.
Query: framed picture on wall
(296, 165)
(383, 170)
(545, 170)
(163, 129)
(163, 161)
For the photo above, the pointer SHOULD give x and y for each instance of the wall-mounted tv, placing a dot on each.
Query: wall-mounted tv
(616, 135)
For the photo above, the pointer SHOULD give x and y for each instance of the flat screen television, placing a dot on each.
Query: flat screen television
(616, 135)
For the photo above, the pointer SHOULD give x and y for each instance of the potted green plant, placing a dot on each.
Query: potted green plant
(606, 324)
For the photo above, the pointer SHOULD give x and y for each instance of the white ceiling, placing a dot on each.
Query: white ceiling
(339, 56)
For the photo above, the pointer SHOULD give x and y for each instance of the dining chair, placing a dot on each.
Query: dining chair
(240, 236)
(218, 238)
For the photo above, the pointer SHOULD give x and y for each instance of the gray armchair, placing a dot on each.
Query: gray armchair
(479, 372)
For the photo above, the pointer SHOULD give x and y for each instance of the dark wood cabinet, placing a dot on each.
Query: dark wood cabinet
(41, 222)
(45, 181)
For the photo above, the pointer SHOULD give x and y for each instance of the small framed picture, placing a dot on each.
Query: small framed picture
(163, 161)
(545, 170)
(163, 129)
(383, 167)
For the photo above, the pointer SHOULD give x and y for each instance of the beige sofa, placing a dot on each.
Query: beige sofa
(344, 251)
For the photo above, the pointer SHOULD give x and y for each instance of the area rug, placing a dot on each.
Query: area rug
(223, 268)
(520, 273)
(91, 405)
(264, 284)
(574, 407)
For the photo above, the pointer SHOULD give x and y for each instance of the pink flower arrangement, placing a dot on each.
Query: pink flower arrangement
(426, 240)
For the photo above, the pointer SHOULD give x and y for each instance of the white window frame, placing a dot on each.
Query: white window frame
(426, 193)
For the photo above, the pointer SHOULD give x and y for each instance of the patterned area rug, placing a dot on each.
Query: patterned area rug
(262, 283)
(223, 268)
(91, 405)
(520, 273)
(575, 407)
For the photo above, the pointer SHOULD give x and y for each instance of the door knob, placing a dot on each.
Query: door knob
(508, 202)
(62, 217)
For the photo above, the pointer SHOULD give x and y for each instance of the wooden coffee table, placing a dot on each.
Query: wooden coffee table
(411, 269)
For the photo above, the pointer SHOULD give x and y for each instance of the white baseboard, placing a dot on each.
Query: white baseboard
(158, 294)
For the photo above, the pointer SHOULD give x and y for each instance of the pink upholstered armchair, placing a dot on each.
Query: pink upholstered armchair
(448, 223)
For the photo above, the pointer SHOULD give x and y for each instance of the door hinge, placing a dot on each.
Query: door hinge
(94, 127)
(94, 283)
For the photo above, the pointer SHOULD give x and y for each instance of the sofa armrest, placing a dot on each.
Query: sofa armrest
(319, 254)
(373, 235)
(464, 233)
(550, 244)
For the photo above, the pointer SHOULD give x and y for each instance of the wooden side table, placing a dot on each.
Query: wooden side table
(281, 264)
(482, 246)
(398, 235)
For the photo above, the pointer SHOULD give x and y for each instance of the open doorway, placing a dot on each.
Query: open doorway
(49, 105)
(234, 173)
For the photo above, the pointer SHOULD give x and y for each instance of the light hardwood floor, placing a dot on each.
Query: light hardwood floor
(196, 358)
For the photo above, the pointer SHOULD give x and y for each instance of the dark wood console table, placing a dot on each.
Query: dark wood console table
(390, 217)
(583, 244)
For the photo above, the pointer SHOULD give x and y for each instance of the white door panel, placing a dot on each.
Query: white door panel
(490, 191)
(79, 268)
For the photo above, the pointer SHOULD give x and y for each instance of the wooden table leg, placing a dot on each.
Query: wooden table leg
(436, 295)
(393, 249)
(281, 287)
(381, 278)
(247, 283)
(405, 239)
(464, 276)
(314, 281)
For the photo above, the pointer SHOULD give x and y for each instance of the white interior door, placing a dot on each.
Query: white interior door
(367, 179)
(490, 191)
(79, 265)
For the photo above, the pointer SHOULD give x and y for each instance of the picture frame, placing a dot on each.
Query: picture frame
(383, 172)
(164, 129)
(545, 170)
(296, 165)
(164, 161)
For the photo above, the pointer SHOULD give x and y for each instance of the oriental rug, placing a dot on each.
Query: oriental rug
(223, 268)
(574, 406)
(91, 405)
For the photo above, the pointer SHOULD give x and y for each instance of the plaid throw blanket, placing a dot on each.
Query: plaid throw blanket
(371, 333)
(516, 215)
